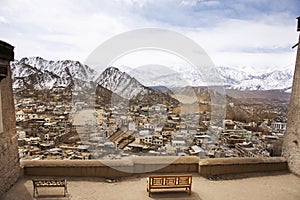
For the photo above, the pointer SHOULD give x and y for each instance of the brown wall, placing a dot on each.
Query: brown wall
(144, 165)
(225, 166)
(291, 144)
(9, 160)
(110, 169)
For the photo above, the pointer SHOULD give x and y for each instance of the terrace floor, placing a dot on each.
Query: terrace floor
(270, 186)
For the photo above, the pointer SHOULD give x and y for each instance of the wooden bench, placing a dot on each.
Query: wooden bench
(49, 183)
(169, 181)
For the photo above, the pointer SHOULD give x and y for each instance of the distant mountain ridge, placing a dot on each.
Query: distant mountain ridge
(232, 78)
(38, 73)
(240, 80)
(121, 83)
(129, 88)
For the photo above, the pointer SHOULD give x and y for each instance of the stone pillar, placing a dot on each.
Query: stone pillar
(9, 158)
(291, 144)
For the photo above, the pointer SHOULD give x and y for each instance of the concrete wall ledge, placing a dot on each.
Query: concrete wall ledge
(230, 161)
(75, 163)
(77, 168)
(154, 164)
(223, 166)
(165, 164)
(123, 162)
(111, 168)
(165, 160)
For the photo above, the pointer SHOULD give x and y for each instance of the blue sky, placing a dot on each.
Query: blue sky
(254, 34)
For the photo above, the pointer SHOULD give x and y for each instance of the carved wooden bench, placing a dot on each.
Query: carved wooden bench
(49, 183)
(169, 181)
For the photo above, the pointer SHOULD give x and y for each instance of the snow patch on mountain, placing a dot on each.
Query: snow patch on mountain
(236, 79)
(231, 78)
(38, 73)
(62, 67)
(121, 83)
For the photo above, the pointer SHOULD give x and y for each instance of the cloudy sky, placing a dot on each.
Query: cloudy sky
(245, 34)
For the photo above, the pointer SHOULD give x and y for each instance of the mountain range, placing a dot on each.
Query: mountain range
(128, 88)
(38, 73)
(240, 80)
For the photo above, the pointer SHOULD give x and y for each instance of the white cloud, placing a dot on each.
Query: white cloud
(259, 62)
(58, 29)
(188, 2)
(150, 57)
(63, 29)
(246, 43)
(202, 2)
(3, 20)
(211, 3)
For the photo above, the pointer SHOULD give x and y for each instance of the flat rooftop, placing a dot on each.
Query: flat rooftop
(265, 186)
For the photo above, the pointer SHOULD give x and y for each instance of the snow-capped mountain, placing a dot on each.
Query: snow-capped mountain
(120, 83)
(231, 78)
(157, 75)
(26, 76)
(75, 68)
(129, 88)
(38, 73)
(237, 79)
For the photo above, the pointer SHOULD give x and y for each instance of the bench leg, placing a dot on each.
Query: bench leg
(149, 192)
(65, 191)
(35, 191)
(190, 190)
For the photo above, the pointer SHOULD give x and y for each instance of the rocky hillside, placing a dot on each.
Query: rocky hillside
(38, 73)
(129, 88)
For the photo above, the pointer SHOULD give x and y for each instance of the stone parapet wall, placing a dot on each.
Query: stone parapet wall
(9, 167)
(169, 164)
(9, 160)
(152, 165)
(291, 144)
(110, 169)
(224, 166)
(75, 168)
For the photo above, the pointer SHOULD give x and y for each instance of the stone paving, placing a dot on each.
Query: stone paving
(262, 186)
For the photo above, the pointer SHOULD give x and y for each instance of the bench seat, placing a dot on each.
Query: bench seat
(49, 183)
(169, 181)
